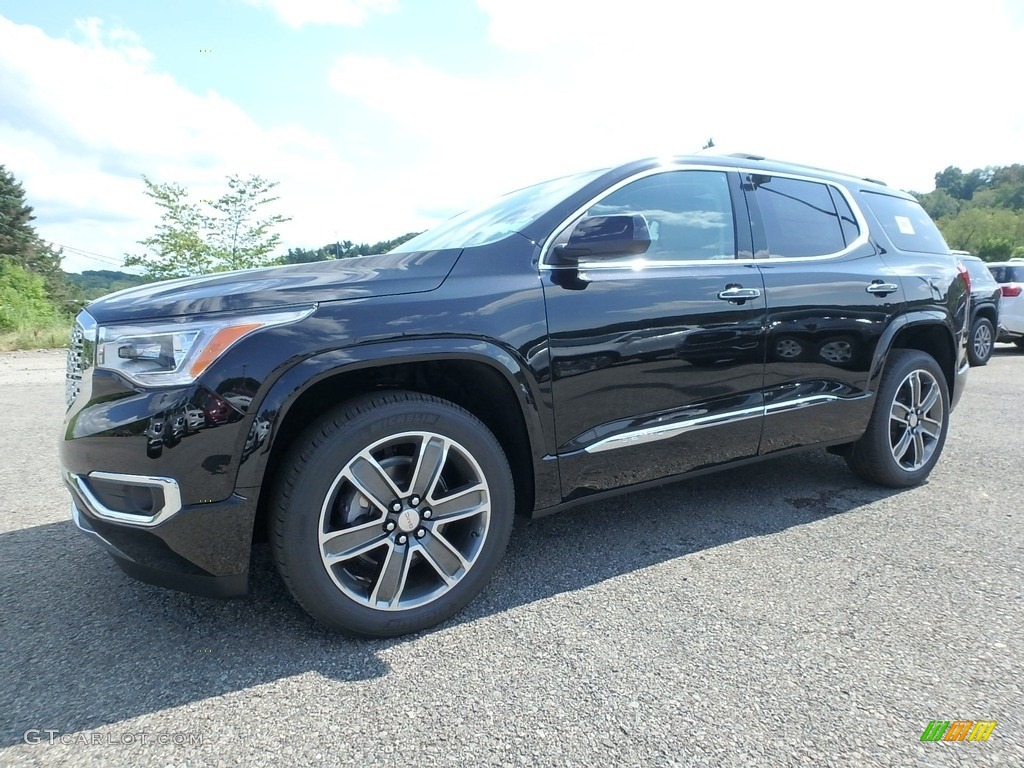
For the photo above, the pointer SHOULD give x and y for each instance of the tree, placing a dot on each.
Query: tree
(189, 241)
(178, 248)
(991, 233)
(21, 246)
(242, 240)
(17, 237)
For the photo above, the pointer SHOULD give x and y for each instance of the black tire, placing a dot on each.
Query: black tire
(873, 457)
(982, 341)
(1019, 343)
(388, 581)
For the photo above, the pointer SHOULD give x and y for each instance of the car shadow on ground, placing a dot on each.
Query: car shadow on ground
(83, 646)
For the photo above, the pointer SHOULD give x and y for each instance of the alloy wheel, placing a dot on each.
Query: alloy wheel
(982, 341)
(915, 420)
(404, 521)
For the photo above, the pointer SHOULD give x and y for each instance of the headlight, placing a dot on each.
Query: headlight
(169, 354)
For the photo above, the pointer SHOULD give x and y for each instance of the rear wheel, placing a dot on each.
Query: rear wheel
(908, 426)
(392, 515)
(1019, 343)
(982, 340)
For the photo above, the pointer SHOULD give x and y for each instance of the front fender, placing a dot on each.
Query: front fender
(273, 409)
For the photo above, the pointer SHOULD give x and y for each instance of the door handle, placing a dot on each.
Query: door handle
(738, 293)
(882, 289)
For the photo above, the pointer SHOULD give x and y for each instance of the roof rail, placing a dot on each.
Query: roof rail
(874, 181)
(747, 156)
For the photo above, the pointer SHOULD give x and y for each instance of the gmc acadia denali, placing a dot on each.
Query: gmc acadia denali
(381, 419)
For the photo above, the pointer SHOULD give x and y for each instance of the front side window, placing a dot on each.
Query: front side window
(800, 217)
(689, 214)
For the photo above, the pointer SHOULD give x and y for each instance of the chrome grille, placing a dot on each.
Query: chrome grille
(81, 348)
(76, 348)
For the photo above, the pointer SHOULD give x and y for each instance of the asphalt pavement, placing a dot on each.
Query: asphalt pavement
(774, 615)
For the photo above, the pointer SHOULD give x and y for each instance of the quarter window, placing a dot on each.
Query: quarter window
(689, 214)
(800, 218)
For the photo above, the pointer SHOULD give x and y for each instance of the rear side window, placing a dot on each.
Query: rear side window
(906, 224)
(800, 217)
(1008, 273)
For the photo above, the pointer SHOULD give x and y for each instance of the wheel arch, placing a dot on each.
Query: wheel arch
(479, 376)
(987, 311)
(927, 332)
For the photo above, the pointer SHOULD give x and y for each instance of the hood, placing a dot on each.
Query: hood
(389, 274)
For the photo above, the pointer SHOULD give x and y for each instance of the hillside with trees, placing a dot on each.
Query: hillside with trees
(36, 296)
(981, 211)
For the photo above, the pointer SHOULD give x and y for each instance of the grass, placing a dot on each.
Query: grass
(51, 334)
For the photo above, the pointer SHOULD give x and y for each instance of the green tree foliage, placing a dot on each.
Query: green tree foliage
(242, 240)
(24, 298)
(194, 239)
(342, 249)
(21, 246)
(981, 211)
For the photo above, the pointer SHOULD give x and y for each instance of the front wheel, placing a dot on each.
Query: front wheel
(908, 426)
(982, 340)
(392, 514)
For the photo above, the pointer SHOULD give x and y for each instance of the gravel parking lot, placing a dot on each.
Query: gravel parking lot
(784, 614)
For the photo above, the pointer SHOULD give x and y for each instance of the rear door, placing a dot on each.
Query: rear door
(655, 370)
(830, 296)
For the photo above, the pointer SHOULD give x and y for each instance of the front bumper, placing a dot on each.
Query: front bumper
(202, 549)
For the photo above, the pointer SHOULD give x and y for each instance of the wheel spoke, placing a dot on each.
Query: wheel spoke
(915, 389)
(445, 558)
(432, 456)
(918, 449)
(352, 542)
(931, 398)
(372, 481)
(900, 412)
(393, 574)
(465, 503)
(900, 449)
(931, 427)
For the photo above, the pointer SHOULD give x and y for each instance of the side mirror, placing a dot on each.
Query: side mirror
(602, 237)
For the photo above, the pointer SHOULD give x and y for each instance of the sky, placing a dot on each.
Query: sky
(381, 117)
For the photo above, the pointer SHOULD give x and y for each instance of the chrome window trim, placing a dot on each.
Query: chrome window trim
(640, 264)
(171, 493)
(667, 431)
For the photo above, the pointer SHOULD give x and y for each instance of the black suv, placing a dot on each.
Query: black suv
(984, 309)
(381, 419)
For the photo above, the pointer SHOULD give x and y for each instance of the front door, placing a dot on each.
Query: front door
(657, 368)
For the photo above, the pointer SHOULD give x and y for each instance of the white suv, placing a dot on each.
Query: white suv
(1010, 276)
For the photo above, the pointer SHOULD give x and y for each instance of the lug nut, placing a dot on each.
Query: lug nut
(402, 539)
(389, 526)
(396, 507)
(420, 533)
(426, 514)
(415, 501)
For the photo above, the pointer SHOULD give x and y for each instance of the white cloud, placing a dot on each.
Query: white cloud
(890, 90)
(352, 13)
(83, 121)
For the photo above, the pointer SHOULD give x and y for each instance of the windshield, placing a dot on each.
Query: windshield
(502, 217)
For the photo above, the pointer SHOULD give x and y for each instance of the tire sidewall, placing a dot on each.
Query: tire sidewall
(973, 357)
(299, 522)
(903, 363)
